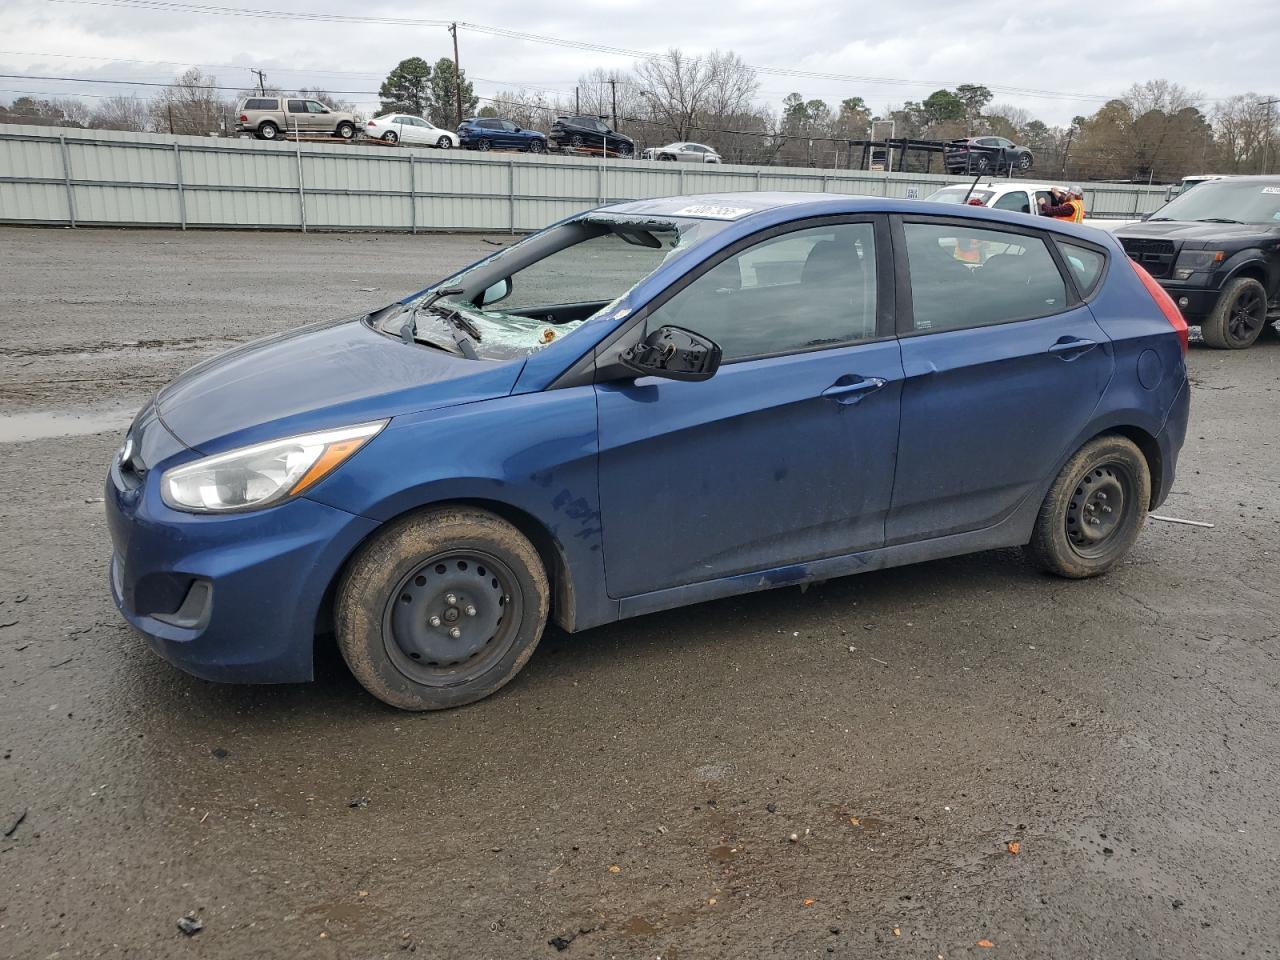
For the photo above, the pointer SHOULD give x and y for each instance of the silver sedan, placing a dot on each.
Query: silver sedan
(689, 152)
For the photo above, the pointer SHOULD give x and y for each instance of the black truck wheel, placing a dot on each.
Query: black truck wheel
(1238, 317)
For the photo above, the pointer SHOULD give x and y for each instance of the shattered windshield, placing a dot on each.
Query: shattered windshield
(547, 285)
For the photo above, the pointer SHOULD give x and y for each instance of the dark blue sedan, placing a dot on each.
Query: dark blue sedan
(648, 405)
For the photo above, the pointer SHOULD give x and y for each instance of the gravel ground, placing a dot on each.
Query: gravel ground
(973, 759)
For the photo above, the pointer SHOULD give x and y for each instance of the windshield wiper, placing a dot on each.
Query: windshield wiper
(465, 334)
(1217, 220)
(409, 329)
(1154, 219)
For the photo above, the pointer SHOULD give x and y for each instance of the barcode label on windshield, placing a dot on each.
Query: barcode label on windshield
(1271, 189)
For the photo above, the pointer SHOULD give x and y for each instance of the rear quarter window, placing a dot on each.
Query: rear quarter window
(261, 104)
(1085, 263)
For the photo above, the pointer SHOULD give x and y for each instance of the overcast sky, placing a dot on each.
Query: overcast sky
(1077, 53)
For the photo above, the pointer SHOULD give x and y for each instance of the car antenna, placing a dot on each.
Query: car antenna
(971, 186)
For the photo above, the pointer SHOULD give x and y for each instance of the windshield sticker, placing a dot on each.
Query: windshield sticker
(713, 211)
(1271, 189)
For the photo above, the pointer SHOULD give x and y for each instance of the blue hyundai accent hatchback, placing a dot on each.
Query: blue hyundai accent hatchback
(648, 405)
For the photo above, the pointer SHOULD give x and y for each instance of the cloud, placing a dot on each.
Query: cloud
(1082, 51)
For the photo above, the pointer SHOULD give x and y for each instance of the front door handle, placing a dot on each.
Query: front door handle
(1068, 348)
(851, 388)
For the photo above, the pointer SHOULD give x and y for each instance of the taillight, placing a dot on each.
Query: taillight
(371, 124)
(1164, 302)
(244, 118)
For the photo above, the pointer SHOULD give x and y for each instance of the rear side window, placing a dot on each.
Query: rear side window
(1086, 265)
(793, 292)
(964, 277)
(261, 104)
(1017, 202)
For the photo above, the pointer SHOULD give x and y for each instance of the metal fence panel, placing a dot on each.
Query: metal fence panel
(87, 177)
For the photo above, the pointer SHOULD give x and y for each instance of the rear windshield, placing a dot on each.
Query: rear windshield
(260, 104)
(1240, 201)
(959, 195)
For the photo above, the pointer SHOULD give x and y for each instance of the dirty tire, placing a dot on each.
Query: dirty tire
(1114, 467)
(1239, 316)
(268, 131)
(382, 574)
(346, 131)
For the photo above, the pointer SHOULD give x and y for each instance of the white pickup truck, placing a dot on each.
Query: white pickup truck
(1018, 197)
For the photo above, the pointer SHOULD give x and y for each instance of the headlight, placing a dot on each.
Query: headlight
(1196, 261)
(262, 475)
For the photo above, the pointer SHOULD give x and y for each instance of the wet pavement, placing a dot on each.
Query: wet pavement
(843, 771)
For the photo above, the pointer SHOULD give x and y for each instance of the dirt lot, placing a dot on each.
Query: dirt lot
(635, 792)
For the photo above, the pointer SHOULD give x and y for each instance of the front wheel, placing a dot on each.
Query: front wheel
(441, 608)
(537, 146)
(1238, 317)
(1094, 511)
(444, 143)
(1024, 162)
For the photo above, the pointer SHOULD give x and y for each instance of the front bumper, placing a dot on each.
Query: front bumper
(1195, 302)
(232, 598)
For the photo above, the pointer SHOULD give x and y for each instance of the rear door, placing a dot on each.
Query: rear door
(787, 453)
(1003, 367)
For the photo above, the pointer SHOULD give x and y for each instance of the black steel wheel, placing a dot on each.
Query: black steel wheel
(1094, 510)
(441, 608)
(455, 616)
(1238, 317)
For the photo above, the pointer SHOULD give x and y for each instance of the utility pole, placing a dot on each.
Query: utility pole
(1271, 131)
(577, 102)
(613, 95)
(457, 72)
(262, 80)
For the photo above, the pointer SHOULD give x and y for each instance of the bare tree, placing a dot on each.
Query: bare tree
(121, 113)
(1245, 126)
(327, 98)
(190, 104)
(528, 109)
(689, 92)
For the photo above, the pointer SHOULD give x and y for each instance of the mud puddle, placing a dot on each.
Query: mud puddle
(50, 424)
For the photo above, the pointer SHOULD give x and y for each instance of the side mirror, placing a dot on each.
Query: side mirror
(499, 291)
(674, 354)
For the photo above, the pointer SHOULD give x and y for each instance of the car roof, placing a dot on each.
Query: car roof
(773, 207)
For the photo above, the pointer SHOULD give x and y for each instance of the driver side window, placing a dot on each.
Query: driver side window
(793, 292)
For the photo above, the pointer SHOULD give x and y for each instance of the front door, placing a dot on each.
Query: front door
(1003, 369)
(787, 454)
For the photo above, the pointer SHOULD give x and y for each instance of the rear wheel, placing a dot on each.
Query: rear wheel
(1238, 317)
(441, 608)
(1094, 511)
(666, 156)
(624, 151)
(575, 141)
(483, 145)
(268, 130)
(347, 131)
(391, 137)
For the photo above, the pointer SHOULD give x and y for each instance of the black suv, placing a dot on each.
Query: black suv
(980, 154)
(1216, 250)
(579, 132)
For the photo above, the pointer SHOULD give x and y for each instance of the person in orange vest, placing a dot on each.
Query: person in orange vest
(1068, 204)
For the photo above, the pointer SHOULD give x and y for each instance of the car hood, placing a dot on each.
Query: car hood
(1195, 230)
(316, 377)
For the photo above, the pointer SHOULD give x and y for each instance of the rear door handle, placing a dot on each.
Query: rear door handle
(851, 388)
(1068, 348)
